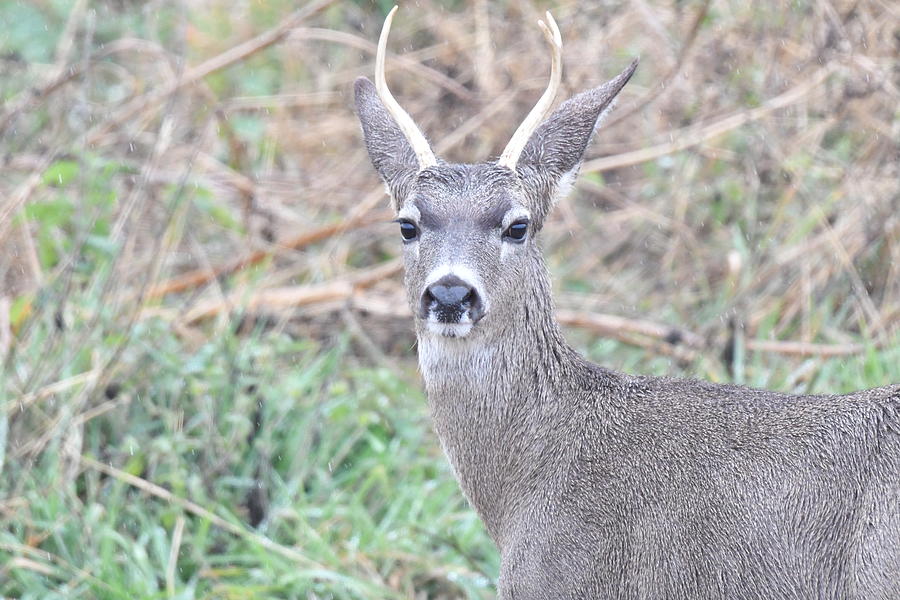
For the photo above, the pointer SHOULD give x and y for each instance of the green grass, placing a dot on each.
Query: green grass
(350, 473)
(357, 499)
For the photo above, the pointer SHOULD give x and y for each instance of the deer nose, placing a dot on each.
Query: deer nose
(449, 298)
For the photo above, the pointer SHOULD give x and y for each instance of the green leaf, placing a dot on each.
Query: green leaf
(46, 248)
(50, 213)
(136, 464)
(103, 245)
(20, 309)
(60, 173)
(26, 32)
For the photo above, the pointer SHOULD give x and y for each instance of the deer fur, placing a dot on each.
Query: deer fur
(599, 484)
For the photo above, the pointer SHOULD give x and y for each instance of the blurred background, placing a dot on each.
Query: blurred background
(208, 384)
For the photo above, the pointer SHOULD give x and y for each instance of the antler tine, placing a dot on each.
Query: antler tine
(516, 144)
(404, 121)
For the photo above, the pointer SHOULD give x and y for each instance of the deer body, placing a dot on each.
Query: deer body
(597, 484)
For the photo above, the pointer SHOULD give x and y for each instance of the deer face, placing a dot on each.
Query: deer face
(468, 230)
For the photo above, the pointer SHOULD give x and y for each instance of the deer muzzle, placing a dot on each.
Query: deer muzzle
(451, 300)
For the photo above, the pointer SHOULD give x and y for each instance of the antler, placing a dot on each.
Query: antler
(404, 121)
(514, 148)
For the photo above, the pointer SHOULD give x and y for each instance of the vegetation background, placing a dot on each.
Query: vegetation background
(208, 384)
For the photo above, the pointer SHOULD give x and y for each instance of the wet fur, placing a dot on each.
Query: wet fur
(598, 484)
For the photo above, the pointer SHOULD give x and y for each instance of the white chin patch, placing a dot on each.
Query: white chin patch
(453, 330)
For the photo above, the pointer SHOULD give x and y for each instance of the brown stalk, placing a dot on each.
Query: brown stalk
(790, 348)
(666, 80)
(693, 136)
(200, 277)
(655, 337)
(294, 296)
(612, 324)
(226, 59)
(56, 73)
(413, 66)
(5, 328)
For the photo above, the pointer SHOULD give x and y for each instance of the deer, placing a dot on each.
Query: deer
(594, 483)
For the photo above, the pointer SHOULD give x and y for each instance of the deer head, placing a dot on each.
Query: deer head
(468, 230)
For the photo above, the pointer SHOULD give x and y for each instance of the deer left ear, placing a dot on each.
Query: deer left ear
(389, 149)
(550, 161)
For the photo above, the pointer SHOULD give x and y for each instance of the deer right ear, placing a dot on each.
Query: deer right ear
(550, 161)
(389, 150)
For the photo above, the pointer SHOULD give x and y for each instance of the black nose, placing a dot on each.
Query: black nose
(449, 298)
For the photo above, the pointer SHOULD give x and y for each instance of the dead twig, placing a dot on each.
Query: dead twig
(666, 80)
(20, 196)
(676, 341)
(693, 136)
(415, 67)
(294, 296)
(5, 327)
(613, 324)
(200, 277)
(804, 348)
(616, 326)
(56, 73)
(174, 550)
(193, 75)
(36, 95)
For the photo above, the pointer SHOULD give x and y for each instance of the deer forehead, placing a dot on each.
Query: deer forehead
(484, 196)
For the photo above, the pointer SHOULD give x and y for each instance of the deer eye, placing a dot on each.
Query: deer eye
(516, 232)
(408, 230)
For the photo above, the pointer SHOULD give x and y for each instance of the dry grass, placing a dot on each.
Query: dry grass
(752, 165)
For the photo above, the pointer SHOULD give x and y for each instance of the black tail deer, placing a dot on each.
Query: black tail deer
(598, 484)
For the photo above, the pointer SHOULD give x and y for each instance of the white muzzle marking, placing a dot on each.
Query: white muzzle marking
(464, 325)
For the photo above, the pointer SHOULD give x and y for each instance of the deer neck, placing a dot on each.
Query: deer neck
(494, 398)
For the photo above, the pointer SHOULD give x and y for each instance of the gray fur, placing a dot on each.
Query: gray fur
(598, 484)
(391, 154)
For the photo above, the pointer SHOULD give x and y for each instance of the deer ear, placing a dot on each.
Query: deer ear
(389, 150)
(550, 160)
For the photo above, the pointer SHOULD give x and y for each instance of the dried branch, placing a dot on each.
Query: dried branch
(666, 80)
(654, 337)
(294, 296)
(5, 327)
(226, 59)
(693, 136)
(612, 324)
(200, 277)
(413, 66)
(804, 348)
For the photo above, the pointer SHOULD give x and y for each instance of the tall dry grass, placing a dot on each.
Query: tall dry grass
(750, 169)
